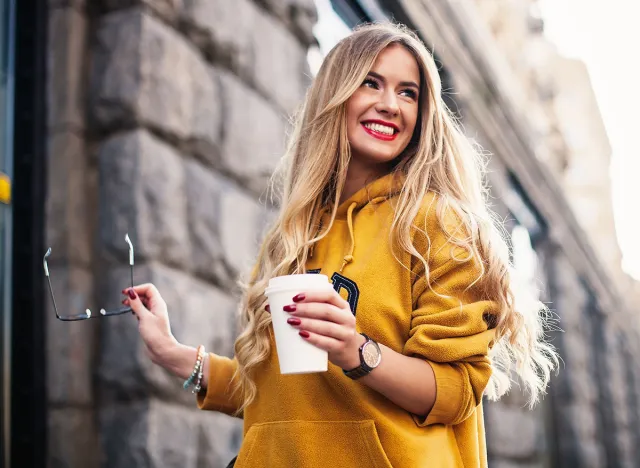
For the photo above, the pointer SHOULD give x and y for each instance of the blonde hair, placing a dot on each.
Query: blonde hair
(439, 158)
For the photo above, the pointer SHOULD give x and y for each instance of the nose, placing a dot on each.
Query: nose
(388, 103)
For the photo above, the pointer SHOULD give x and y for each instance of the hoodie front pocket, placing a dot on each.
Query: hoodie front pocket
(312, 444)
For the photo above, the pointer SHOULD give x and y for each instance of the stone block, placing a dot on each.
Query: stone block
(67, 230)
(582, 420)
(219, 438)
(70, 345)
(239, 228)
(222, 29)
(498, 463)
(280, 68)
(223, 222)
(299, 15)
(72, 438)
(254, 134)
(150, 434)
(65, 68)
(158, 434)
(199, 314)
(512, 431)
(145, 73)
(79, 5)
(168, 10)
(141, 192)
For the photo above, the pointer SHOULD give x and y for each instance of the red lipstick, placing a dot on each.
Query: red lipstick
(380, 135)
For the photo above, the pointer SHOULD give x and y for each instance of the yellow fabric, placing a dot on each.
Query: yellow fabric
(326, 419)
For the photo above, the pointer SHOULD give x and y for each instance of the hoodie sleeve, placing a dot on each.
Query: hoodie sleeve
(448, 327)
(219, 394)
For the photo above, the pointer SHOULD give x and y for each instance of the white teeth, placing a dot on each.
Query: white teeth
(380, 128)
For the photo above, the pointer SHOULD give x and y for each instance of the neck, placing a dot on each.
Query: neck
(359, 175)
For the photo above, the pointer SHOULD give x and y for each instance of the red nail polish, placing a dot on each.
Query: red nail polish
(267, 308)
(132, 294)
(298, 297)
(303, 333)
(289, 308)
(293, 321)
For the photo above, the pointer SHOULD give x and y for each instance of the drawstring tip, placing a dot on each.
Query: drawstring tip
(347, 259)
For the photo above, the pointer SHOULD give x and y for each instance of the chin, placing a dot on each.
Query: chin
(374, 157)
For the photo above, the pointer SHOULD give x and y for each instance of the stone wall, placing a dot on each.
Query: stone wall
(166, 121)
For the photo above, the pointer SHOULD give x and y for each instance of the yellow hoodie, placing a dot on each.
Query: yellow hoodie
(328, 420)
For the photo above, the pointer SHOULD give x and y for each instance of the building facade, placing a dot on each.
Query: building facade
(164, 119)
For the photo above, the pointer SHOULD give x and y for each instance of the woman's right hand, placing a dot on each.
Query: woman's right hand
(153, 320)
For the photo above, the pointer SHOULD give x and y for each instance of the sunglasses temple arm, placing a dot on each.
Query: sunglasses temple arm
(53, 299)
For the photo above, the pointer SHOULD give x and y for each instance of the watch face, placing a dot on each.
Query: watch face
(371, 354)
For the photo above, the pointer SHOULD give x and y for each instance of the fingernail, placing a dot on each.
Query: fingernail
(289, 308)
(303, 333)
(132, 294)
(267, 308)
(293, 321)
(298, 297)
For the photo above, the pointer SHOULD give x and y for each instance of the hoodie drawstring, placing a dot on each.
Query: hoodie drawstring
(349, 257)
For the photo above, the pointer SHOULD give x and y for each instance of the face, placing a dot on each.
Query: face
(382, 113)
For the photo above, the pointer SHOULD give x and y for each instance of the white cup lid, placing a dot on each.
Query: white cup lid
(308, 280)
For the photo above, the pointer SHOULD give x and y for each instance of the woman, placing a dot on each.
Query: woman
(384, 195)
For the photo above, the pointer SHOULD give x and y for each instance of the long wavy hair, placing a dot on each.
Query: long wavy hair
(439, 158)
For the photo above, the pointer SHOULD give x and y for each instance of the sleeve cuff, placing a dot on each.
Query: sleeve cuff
(449, 384)
(219, 392)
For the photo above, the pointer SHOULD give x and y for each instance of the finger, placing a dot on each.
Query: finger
(147, 290)
(321, 311)
(126, 303)
(322, 342)
(137, 306)
(329, 296)
(324, 328)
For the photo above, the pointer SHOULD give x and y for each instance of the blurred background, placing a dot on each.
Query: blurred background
(164, 118)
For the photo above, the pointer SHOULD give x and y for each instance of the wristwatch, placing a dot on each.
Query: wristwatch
(370, 357)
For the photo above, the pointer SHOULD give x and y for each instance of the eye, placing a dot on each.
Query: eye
(410, 93)
(370, 83)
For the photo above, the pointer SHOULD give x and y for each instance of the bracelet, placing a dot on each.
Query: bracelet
(197, 369)
(198, 385)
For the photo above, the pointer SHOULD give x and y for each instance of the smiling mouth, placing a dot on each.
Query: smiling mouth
(380, 131)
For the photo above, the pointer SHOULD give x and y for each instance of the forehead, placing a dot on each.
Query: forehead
(395, 62)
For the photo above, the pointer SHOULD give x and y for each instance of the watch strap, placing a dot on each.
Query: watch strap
(363, 369)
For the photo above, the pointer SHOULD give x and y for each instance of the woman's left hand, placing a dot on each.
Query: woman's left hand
(325, 320)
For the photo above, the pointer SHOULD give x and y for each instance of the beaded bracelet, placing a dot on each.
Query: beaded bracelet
(197, 369)
(198, 386)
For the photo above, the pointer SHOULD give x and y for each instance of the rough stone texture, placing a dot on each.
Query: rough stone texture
(66, 206)
(73, 438)
(70, 345)
(223, 222)
(272, 73)
(135, 82)
(253, 133)
(161, 435)
(219, 439)
(65, 66)
(142, 193)
(165, 121)
(512, 431)
(618, 386)
(222, 29)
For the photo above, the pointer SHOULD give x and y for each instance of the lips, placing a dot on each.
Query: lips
(381, 130)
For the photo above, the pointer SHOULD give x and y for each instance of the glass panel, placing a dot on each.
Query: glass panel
(7, 12)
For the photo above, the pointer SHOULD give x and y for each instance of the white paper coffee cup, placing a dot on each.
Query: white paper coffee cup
(296, 356)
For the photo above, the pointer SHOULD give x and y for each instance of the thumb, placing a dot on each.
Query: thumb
(136, 304)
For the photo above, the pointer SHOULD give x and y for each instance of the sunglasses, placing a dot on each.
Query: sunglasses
(87, 314)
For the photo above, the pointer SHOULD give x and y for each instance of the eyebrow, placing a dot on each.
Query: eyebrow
(402, 83)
